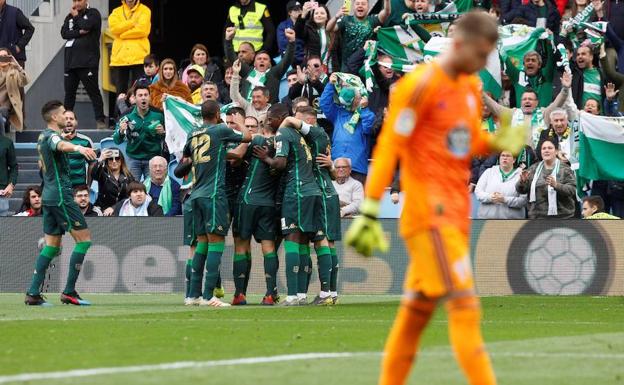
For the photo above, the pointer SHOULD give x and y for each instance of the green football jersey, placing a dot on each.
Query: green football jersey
(591, 86)
(261, 181)
(319, 143)
(77, 162)
(57, 187)
(207, 148)
(300, 179)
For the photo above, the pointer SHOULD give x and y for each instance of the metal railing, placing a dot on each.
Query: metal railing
(30, 7)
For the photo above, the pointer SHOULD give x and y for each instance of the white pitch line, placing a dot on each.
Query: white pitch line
(26, 377)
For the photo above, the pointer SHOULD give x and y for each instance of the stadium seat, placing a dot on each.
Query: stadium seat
(172, 165)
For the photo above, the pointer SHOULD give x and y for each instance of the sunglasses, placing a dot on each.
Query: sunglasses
(116, 158)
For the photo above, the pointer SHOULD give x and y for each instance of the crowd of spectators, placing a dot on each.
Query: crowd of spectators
(324, 58)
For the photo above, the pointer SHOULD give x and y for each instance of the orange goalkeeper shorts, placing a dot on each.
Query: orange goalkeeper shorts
(439, 262)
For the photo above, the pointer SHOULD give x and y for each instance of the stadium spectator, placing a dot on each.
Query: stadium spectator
(163, 190)
(559, 131)
(151, 65)
(126, 101)
(8, 173)
(31, 203)
(130, 25)
(311, 81)
(12, 79)
(539, 13)
(81, 30)
(586, 78)
(195, 78)
(81, 197)
(611, 104)
(611, 11)
(550, 186)
(210, 91)
(201, 57)
(260, 96)
(593, 208)
(79, 167)
(262, 73)
(348, 140)
(168, 84)
(224, 87)
(143, 129)
(252, 125)
(350, 191)
(139, 204)
(112, 176)
(318, 41)
(357, 28)
(496, 190)
(610, 68)
(253, 23)
(293, 8)
(534, 74)
(15, 31)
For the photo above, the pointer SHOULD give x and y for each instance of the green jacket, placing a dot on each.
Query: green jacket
(143, 141)
(77, 162)
(8, 163)
(542, 83)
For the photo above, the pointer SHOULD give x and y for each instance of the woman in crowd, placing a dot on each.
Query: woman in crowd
(310, 27)
(168, 84)
(200, 56)
(496, 190)
(112, 176)
(550, 185)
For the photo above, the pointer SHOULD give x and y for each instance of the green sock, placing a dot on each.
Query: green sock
(248, 272)
(333, 280)
(197, 269)
(323, 255)
(219, 280)
(75, 264)
(41, 266)
(213, 264)
(187, 274)
(304, 255)
(239, 267)
(270, 273)
(292, 266)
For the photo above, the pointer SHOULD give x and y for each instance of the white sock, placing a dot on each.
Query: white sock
(333, 293)
(302, 295)
(291, 298)
(324, 294)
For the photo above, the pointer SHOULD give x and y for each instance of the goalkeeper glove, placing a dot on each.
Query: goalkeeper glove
(509, 137)
(365, 234)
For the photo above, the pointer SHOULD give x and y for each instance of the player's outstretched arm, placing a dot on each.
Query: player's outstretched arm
(87, 152)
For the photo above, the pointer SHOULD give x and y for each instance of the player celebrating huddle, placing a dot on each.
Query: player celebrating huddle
(437, 106)
(206, 148)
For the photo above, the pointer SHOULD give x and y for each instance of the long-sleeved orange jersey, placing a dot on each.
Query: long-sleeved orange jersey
(433, 127)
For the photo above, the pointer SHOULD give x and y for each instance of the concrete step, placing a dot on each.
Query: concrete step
(31, 136)
(19, 152)
(29, 177)
(27, 159)
(27, 165)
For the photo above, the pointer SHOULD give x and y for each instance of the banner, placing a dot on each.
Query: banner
(181, 118)
(516, 40)
(601, 153)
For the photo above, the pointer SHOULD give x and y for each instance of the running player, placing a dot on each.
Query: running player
(206, 148)
(60, 212)
(433, 127)
(324, 241)
(301, 205)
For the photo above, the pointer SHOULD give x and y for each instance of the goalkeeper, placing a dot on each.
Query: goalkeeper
(433, 128)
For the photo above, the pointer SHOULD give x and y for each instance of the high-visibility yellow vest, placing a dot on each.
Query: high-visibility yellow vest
(250, 30)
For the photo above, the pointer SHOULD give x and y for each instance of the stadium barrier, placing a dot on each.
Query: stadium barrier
(510, 257)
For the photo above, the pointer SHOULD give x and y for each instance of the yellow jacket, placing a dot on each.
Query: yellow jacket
(131, 28)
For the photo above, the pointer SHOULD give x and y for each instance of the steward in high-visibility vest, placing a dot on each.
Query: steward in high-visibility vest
(253, 24)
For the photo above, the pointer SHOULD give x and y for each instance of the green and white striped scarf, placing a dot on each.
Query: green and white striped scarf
(537, 123)
(255, 79)
(346, 87)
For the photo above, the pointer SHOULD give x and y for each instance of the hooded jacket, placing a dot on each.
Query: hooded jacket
(131, 28)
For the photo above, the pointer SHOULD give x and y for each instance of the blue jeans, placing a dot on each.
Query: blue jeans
(4, 207)
(138, 167)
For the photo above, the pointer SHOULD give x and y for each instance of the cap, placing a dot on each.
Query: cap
(293, 4)
(197, 68)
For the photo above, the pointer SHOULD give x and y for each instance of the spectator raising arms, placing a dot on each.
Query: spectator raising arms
(130, 24)
(168, 84)
(317, 40)
(112, 176)
(260, 96)
(12, 79)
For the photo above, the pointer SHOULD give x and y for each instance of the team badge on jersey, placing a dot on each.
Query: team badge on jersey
(458, 141)
(405, 122)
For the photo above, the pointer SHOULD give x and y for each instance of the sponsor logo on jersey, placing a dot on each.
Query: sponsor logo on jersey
(458, 141)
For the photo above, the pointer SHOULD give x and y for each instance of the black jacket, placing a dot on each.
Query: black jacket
(15, 31)
(311, 90)
(110, 190)
(378, 98)
(153, 209)
(529, 12)
(312, 41)
(82, 50)
(578, 84)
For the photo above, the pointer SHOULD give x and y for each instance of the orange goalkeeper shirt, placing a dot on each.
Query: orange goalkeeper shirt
(433, 127)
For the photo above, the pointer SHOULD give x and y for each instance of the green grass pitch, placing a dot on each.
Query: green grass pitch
(153, 339)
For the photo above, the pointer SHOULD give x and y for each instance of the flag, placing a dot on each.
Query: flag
(403, 44)
(516, 40)
(601, 142)
(490, 75)
(436, 23)
(181, 118)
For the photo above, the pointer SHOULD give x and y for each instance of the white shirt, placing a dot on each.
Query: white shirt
(351, 194)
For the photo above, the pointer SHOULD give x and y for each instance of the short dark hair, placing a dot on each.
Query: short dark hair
(235, 110)
(49, 108)
(210, 110)
(278, 110)
(135, 186)
(141, 86)
(530, 91)
(79, 188)
(477, 23)
(595, 200)
(265, 90)
(291, 72)
(151, 59)
(306, 110)
(300, 99)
